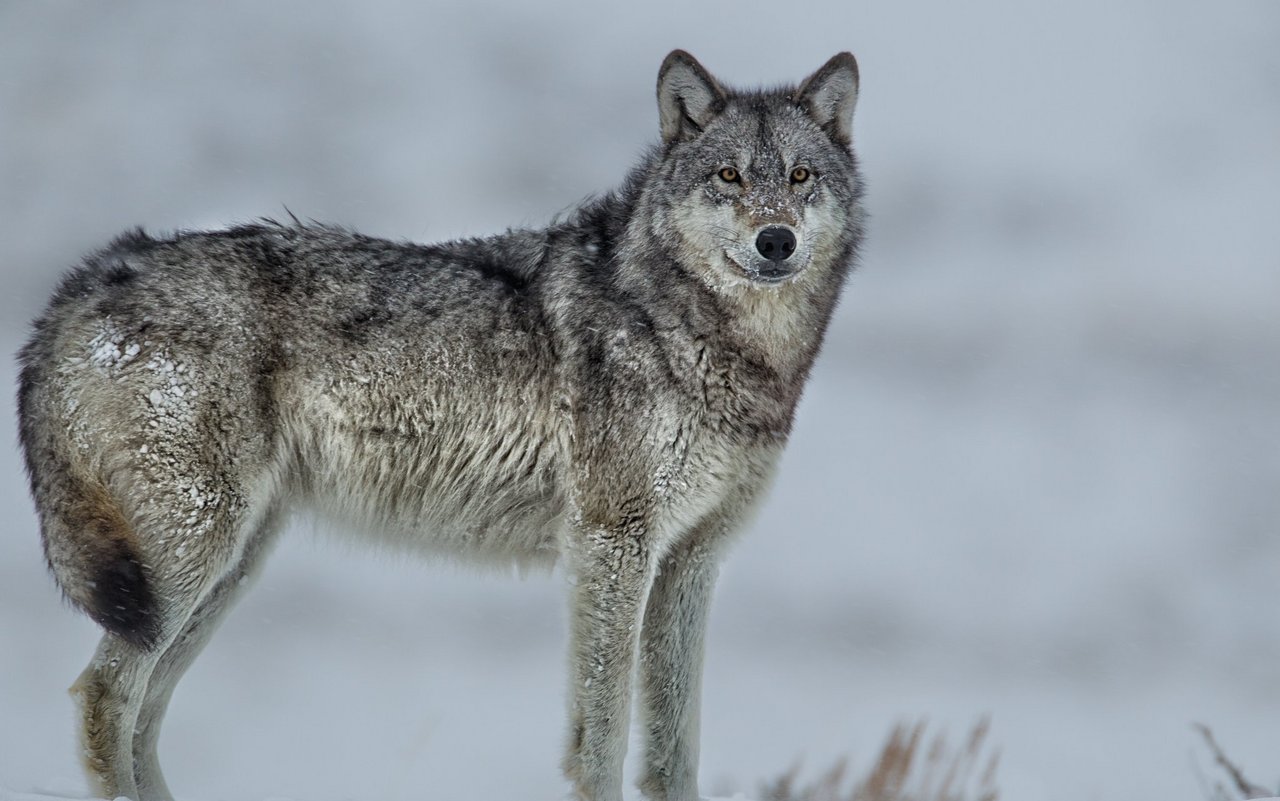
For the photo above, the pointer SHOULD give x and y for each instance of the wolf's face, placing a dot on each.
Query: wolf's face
(756, 189)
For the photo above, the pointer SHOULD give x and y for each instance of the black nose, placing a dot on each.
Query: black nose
(776, 243)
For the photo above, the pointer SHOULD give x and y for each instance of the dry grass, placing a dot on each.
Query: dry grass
(907, 769)
(1239, 787)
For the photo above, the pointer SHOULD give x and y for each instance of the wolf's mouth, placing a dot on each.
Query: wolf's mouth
(772, 274)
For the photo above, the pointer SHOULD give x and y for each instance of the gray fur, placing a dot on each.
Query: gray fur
(610, 393)
(688, 97)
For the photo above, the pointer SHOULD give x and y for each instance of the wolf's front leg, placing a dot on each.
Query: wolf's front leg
(671, 670)
(612, 572)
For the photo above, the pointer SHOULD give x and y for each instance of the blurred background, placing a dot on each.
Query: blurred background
(1036, 474)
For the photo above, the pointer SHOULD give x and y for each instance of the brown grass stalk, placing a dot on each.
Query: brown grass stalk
(907, 769)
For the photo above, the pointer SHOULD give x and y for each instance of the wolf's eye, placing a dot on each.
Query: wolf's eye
(728, 175)
(799, 175)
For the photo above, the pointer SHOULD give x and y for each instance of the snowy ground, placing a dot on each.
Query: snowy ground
(1035, 475)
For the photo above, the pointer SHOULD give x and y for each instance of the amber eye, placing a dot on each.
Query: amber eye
(799, 175)
(728, 174)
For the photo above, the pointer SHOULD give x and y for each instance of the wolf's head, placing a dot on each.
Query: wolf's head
(756, 189)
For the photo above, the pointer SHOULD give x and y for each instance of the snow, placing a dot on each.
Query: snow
(1034, 475)
(5, 795)
(50, 795)
(59, 791)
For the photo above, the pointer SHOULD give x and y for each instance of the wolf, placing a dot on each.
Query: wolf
(609, 394)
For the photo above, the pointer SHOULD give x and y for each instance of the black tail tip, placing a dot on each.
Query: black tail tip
(122, 601)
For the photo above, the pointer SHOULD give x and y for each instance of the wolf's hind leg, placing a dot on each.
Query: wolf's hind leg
(109, 693)
(182, 652)
(182, 567)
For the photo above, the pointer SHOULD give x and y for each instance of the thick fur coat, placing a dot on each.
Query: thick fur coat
(610, 393)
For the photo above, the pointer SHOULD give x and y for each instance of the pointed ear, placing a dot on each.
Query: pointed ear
(830, 94)
(688, 97)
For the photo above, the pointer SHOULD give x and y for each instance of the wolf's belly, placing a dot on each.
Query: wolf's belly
(484, 488)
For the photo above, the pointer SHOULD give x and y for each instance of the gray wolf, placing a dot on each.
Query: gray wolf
(610, 393)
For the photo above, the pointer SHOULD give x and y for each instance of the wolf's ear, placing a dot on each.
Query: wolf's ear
(688, 97)
(830, 94)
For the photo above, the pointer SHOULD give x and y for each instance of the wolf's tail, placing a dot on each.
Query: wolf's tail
(91, 549)
(94, 555)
